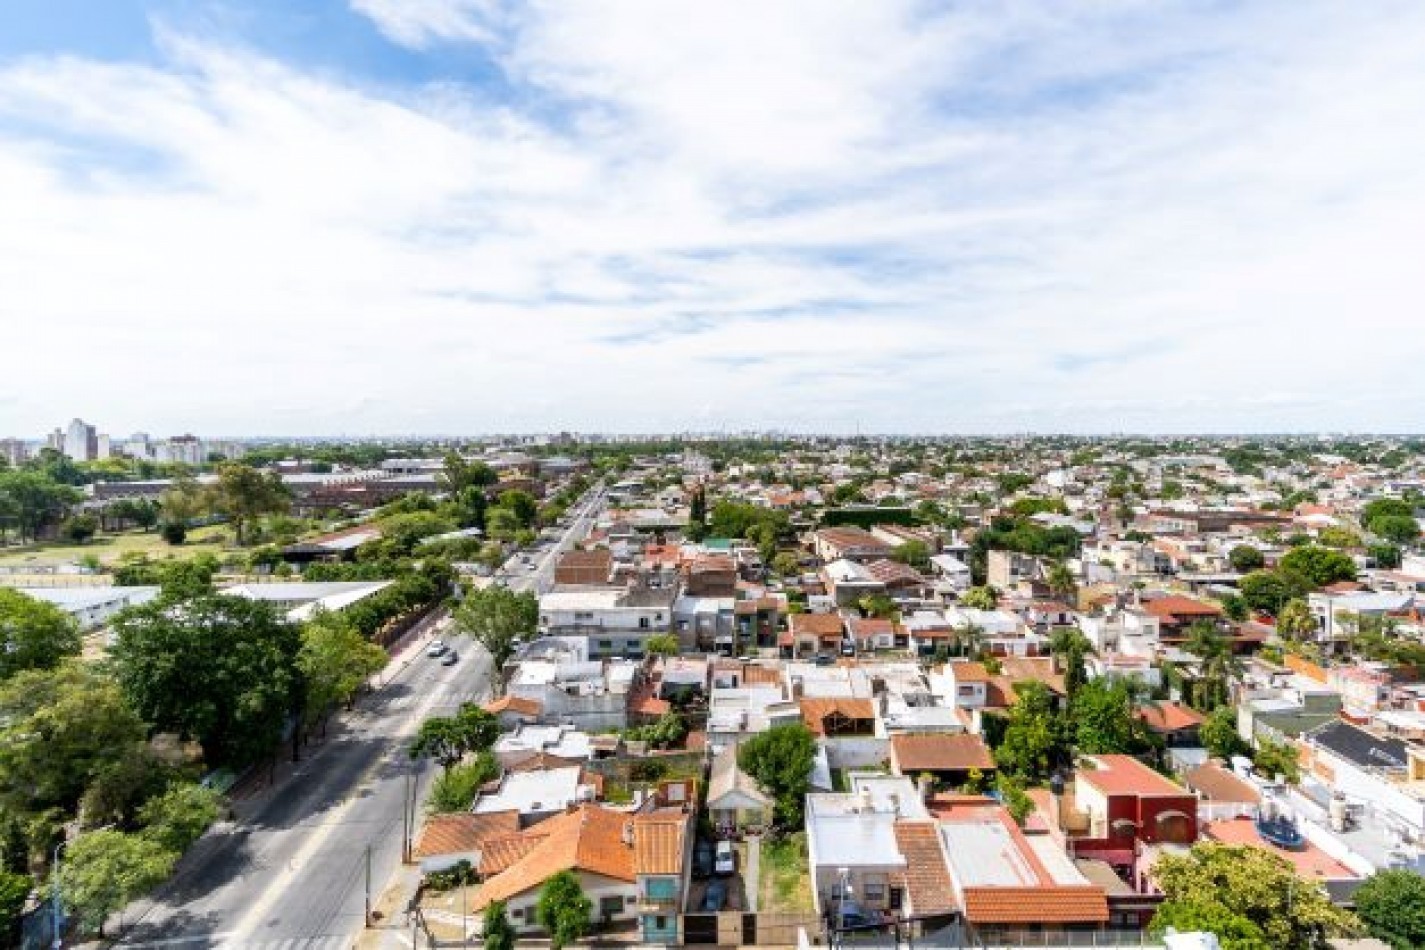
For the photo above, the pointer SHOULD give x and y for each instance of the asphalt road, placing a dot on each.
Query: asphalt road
(538, 575)
(291, 872)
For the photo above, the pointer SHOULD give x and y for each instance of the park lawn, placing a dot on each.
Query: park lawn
(109, 548)
(786, 878)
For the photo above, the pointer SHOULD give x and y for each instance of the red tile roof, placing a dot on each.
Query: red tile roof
(815, 624)
(1125, 775)
(927, 877)
(815, 711)
(591, 838)
(1174, 606)
(1169, 716)
(941, 752)
(1027, 905)
(463, 832)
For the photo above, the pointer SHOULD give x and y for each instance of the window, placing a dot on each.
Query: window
(606, 644)
(517, 912)
(874, 887)
(608, 906)
(660, 923)
(643, 623)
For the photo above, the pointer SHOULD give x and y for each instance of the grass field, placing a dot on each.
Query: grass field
(786, 880)
(108, 548)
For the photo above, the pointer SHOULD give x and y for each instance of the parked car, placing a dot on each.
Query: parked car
(703, 859)
(824, 659)
(853, 916)
(725, 860)
(449, 659)
(436, 648)
(715, 896)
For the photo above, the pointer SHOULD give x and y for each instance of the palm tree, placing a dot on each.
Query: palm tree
(1062, 583)
(970, 639)
(1218, 666)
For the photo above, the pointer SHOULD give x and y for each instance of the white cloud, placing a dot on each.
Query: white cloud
(796, 215)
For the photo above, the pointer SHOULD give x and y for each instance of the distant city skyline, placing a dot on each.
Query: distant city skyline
(451, 216)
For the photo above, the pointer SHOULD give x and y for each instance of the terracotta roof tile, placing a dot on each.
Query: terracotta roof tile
(940, 752)
(815, 711)
(1025, 905)
(514, 704)
(590, 838)
(927, 877)
(1169, 716)
(658, 842)
(815, 624)
(464, 831)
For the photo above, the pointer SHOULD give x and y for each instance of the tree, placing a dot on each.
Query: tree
(448, 739)
(1339, 538)
(459, 474)
(1069, 647)
(1062, 583)
(33, 634)
(1277, 758)
(780, 759)
(183, 501)
(1321, 566)
(786, 564)
(1397, 529)
(913, 552)
(1232, 884)
(33, 500)
(662, 644)
(1295, 621)
(179, 816)
(120, 787)
(79, 528)
(522, 503)
(1219, 735)
(454, 790)
(103, 870)
(219, 669)
(1246, 558)
(498, 618)
(1218, 667)
(335, 661)
(1385, 556)
(174, 533)
(243, 494)
(1233, 931)
(499, 934)
(563, 909)
(1267, 591)
(1105, 721)
(59, 728)
(1386, 508)
(1012, 794)
(980, 598)
(1034, 741)
(14, 892)
(1392, 905)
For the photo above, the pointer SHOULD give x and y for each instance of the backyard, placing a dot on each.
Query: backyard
(786, 882)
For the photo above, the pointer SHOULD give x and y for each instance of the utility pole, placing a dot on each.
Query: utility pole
(367, 920)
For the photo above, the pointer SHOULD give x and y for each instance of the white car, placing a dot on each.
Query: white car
(436, 648)
(724, 860)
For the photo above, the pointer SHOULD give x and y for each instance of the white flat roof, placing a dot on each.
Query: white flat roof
(536, 791)
(81, 598)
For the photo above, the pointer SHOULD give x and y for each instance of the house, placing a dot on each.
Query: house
(951, 572)
(446, 840)
(1367, 769)
(1174, 723)
(810, 634)
(839, 716)
(711, 575)
(1004, 570)
(962, 682)
(1005, 881)
(734, 713)
(584, 568)
(632, 867)
(852, 845)
(1125, 800)
(734, 800)
(1175, 614)
(948, 758)
(536, 794)
(848, 543)
(876, 633)
(1221, 793)
(299, 600)
(591, 694)
(898, 580)
(616, 621)
(514, 711)
(849, 581)
(563, 741)
(1311, 861)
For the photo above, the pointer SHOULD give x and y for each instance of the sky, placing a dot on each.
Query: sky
(468, 216)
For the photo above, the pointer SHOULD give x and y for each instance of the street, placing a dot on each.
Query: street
(537, 575)
(292, 870)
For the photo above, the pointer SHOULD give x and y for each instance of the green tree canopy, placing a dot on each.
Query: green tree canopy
(780, 759)
(662, 644)
(1104, 719)
(563, 909)
(1034, 740)
(1392, 905)
(498, 619)
(1246, 558)
(104, 870)
(1230, 884)
(448, 739)
(31, 500)
(915, 553)
(454, 789)
(1320, 565)
(59, 729)
(1397, 529)
(1219, 734)
(220, 669)
(499, 934)
(33, 634)
(334, 661)
(243, 494)
(179, 816)
(980, 598)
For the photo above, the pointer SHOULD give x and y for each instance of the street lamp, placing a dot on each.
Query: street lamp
(54, 888)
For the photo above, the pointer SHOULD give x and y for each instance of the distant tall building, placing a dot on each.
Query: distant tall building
(101, 446)
(55, 440)
(14, 451)
(81, 441)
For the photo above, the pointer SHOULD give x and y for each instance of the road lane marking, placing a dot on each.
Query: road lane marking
(240, 935)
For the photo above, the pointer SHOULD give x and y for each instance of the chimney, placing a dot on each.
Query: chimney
(924, 785)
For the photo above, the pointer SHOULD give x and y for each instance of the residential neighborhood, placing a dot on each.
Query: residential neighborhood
(805, 692)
